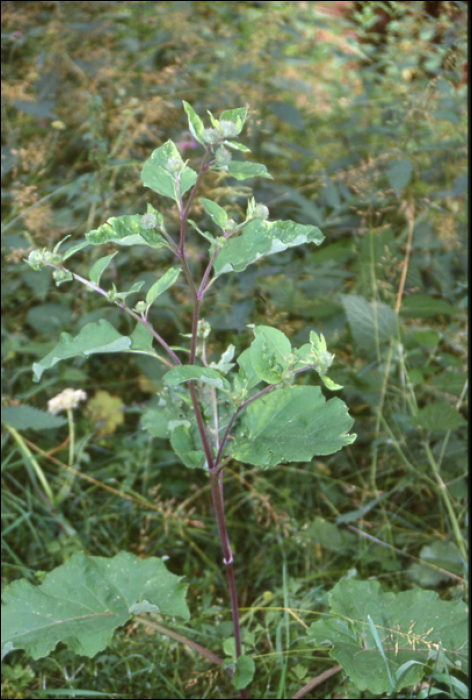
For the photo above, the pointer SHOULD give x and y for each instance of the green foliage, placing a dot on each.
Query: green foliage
(365, 137)
(292, 425)
(388, 641)
(93, 338)
(82, 602)
(25, 417)
(261, 238)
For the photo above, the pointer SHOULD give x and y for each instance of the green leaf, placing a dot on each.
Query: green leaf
(288, 113)
(247, 373)
(423, 306)
(237, 116)
(292, 425)
(329, 536)
(82, 602)
(98, 267)
(93, 338)
(183, 444)
(186, 373)
(329, 384)
(141, 340)
(196, 125)
(167, 408)
(134, 289)
(205, 234)
(156, 176)
(237, 146)
(399, 175)
(444, 557)
(241, 170)
(439, 416)
(260, 238)
(244, 672)
(447, 115)
(268, 353)
(162, 284)
(74, 249)
(26, 417)
(371, 323)
(413, 625)
(217, 213)
(126, 230)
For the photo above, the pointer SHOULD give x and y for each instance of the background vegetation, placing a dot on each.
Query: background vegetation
(359, 112)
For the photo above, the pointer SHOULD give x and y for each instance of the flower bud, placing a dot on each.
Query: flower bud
(36, 259)
(211, 135)
(140, 307)
(228, 129)
(223, 157)
(174, 165)
(62, 276)
(261, 212)
(149, 220)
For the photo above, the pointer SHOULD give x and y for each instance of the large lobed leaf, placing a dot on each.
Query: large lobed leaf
(414, 627)
(83, 601)
(260, 238)
(292, 425)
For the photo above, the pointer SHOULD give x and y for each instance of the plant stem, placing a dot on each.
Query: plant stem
(129, 311)
(184, 640)
(447, 501)
(317, 681)
(215, 482)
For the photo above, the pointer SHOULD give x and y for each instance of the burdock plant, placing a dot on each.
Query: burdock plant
(250, 409)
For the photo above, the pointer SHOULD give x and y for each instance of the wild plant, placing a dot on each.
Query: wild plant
(263, 408)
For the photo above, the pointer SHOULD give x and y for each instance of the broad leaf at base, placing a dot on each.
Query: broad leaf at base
(82, 602)
(413, 625)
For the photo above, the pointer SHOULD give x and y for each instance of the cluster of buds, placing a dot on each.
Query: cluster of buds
(224, 129)
(38, 258)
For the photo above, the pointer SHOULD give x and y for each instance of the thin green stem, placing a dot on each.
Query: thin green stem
(129, 311)
(32, 461)
(447, 501)
(70, 420)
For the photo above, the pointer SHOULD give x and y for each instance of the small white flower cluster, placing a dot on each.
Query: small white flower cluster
(67, 399)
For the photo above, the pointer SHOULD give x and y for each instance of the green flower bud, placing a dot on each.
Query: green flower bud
(140, 307)
(228, 129)
(36, 259)
(261, 212)
(323, 361)
(174, 165)
(223, 157)
(211, 135)
(62, 276)
(149, 220)
(230, 225)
